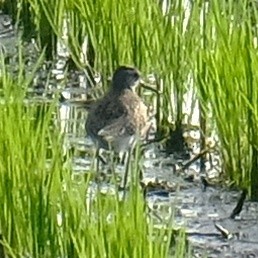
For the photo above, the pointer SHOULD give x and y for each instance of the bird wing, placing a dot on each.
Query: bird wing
(103, 113)
(120, 127)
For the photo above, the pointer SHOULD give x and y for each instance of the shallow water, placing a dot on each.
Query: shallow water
(192, 207)
(172, 193)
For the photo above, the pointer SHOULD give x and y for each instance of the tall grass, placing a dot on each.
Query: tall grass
(216, 38)
(226, 79)
(215, 47)
(122, 32)
(139, 33)
(45, 211)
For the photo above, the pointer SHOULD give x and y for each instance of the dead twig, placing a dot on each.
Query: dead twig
(198, 156)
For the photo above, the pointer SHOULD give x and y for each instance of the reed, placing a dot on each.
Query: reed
(121, 32)
(226, 79)
(141, 33)
(216, 47)
(46, 211)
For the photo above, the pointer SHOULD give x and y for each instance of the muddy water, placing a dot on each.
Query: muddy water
(176, 194)
(172, 193)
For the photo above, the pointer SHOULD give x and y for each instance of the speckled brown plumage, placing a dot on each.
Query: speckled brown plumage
(116, 120)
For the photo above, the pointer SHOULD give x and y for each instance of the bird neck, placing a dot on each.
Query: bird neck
(119, 90)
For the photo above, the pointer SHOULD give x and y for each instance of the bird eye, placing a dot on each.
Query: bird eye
(135, 74)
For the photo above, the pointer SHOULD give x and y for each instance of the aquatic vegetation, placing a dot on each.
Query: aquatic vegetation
(46, 211)
(226, 80)
(210, 47)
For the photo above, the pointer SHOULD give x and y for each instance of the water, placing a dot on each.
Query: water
(172, 192)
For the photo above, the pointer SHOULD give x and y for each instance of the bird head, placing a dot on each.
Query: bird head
(125, 77)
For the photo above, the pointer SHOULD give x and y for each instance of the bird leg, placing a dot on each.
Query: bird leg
(98, 158)
(127, 168)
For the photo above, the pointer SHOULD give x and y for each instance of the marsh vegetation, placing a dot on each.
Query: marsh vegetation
(209, 49)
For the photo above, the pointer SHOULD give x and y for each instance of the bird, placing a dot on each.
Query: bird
(120, 118)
